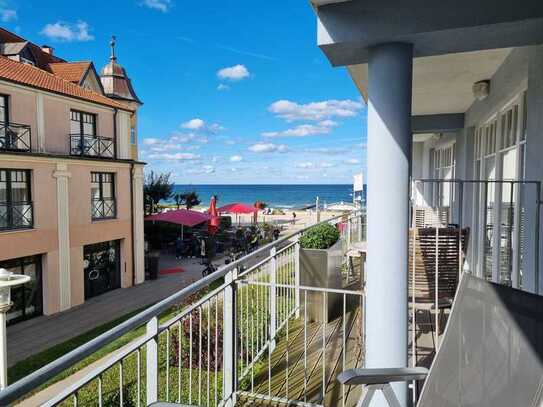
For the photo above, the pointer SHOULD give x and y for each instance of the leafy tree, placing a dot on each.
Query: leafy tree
(178, 198)
(262, 205)
(156, 187)
(190, 199)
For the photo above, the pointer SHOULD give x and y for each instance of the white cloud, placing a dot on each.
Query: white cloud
(326, 165)
(352, 161)
(223, 87)
(268, 148)
(174, 156)
(204, 169)
(199, 125)
(305, 165)
(61, 31)
(7, 14)
(236, 158)
(160, 5)
(303, 130)
(194, 124)
(233, 73)
(327, 150)
(150, 141)
(316, 111)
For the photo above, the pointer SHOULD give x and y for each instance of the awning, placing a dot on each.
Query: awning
(183, 217)
(237, 208)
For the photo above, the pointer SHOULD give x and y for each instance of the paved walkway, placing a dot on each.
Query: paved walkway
(38, 334)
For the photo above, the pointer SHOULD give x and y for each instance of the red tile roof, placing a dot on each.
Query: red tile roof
(29, 75)
(70, 71)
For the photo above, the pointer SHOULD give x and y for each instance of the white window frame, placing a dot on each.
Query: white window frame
(493, 149)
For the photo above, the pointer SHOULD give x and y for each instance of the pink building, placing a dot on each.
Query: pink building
(71, 200)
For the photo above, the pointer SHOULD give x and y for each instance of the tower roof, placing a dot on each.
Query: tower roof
(116, 83)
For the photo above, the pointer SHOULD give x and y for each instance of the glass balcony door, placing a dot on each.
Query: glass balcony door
(101, 267)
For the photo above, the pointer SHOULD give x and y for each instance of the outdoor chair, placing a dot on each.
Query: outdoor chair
(435, 252)
(491, 354)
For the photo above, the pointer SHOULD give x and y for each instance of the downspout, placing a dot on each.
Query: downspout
(132, 223)
(115, 132)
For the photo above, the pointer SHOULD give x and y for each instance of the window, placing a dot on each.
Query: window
(444, 163)
(82, 123)
(133, 135)
(102, 271)
(499, 156)
(28, 298)
(103, 195)
(4, 111)
(15, 200)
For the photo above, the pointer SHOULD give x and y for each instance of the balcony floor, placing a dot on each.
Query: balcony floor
(294, 376)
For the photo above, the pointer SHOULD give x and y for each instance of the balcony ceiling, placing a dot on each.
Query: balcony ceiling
(443, 83)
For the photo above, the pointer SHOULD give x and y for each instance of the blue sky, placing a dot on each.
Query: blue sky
(234, 91)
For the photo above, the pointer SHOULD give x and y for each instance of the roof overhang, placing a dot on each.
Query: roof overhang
(443, 83)
(347, 29)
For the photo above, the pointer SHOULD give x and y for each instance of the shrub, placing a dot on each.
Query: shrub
(320, 237)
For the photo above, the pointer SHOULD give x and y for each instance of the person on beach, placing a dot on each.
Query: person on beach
(293, 218)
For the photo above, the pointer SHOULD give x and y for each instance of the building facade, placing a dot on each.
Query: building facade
(71, 199)
(455, 106)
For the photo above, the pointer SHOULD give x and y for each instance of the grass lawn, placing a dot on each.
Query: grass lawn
(252, 308)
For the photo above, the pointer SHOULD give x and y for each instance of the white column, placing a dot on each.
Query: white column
(139, 244)
(62, 176)
(389, 167)
(39, 143)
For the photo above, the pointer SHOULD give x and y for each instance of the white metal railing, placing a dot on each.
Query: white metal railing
(230, 338)
(485, 227)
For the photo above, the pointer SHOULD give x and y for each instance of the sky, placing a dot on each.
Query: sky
(234, 92)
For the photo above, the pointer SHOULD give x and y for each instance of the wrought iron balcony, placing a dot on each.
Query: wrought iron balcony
(104, 208)
(15, 137)
(16, 215)
(92, 146)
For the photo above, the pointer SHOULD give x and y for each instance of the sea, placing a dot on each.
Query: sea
(275, 196)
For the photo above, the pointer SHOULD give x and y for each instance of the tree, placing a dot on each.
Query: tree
(178, 198)
(157, 187)
(190, 199)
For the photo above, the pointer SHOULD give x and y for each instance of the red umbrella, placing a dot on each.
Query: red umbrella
(237, 208)
(183, 217)
(215, 220)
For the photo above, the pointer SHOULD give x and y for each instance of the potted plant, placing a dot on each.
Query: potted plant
(321, 256)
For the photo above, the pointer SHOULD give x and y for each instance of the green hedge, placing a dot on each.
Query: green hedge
(320, 237)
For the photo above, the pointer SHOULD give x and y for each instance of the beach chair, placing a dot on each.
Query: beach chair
(491, 354)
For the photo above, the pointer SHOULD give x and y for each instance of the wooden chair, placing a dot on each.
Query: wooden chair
(436, 259)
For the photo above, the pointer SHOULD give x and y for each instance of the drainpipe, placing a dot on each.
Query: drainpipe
(132, 223)
(115, 132)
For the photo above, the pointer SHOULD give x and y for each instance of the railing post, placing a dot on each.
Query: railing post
(229, 340)
(273, 299)
(297, 275)
(152, 361)
(359, 217)
(349, 231)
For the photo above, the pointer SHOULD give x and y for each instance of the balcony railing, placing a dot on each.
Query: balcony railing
(92, 146)
(104, 208)
(15, 137)
(16, 215)
(249, 331)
